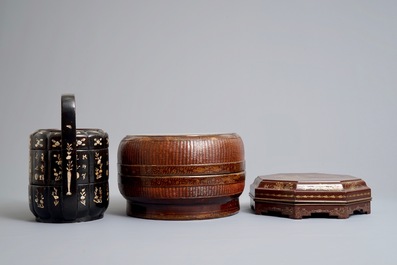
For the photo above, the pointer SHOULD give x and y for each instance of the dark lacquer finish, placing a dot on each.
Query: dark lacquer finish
(301, 195)
(181, 177)
(68, 171)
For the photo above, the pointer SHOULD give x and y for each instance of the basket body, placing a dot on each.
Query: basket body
(68, 171)
(46, 175)
(181, 177)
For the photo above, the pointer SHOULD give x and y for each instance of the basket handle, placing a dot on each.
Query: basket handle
(69, 180)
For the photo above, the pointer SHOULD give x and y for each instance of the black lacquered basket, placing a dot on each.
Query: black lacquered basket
(68, 171)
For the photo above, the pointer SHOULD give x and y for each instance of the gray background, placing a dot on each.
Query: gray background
(310, 86)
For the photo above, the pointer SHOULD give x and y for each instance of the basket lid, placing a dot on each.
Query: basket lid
(181, 154)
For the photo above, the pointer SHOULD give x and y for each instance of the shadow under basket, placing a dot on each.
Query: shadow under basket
(181, 177)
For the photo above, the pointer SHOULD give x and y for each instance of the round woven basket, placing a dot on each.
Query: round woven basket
(181, 177)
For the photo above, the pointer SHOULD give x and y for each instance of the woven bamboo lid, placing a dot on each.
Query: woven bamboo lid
(181, 155)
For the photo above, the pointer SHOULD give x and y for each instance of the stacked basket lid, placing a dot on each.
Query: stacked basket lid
(181, 177)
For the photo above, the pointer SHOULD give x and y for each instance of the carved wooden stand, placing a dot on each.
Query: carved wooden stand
(301, 195)
(298, 211)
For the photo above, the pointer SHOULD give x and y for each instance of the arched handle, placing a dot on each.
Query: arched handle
(69, 180)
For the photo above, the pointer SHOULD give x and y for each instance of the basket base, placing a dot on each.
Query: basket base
(77, 220)
(184, 209)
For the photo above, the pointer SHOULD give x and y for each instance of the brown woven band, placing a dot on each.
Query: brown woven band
(182, 187)
(188, 170)
(170, 181)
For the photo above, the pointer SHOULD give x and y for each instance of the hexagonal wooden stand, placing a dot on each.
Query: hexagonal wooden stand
(301, 195)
